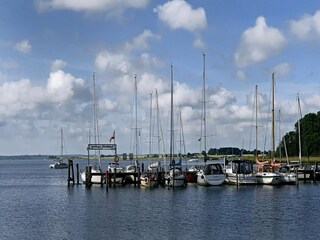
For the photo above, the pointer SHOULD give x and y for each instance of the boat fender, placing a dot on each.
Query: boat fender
(116, 159)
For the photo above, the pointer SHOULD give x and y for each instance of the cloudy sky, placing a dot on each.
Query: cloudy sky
(49, 50)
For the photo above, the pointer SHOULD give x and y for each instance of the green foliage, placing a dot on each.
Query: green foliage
(309, 134)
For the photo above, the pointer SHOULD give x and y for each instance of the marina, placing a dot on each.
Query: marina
(37, 204)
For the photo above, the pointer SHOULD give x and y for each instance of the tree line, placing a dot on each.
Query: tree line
(289, 144)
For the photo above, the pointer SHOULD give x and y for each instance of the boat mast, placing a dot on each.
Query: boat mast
(150, 130)
(171, 118)
(204, 102)
(61, 136)
(273, 135)
(256, 103)
(136, 113)
(95, 117)
(299, 133)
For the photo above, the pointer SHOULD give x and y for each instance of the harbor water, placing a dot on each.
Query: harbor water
(36, 203)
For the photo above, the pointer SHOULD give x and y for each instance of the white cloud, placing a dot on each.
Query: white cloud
(113, 61)
(93, 5)
(241, 75)
(283, 69)
(23, 46)
(140, 42)
(17, 97)
(180, 14)
(58, 64)
(198, 43)
(222, 97)
(307, 27)
(258, 43)
(61, 85)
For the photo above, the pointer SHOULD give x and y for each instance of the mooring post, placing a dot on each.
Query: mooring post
(114, 177)
(70, 168)
(77, 167)
(88, 176)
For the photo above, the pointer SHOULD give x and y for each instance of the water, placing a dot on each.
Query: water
(36, 203)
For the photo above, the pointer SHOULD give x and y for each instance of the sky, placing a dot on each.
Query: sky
(50, 50)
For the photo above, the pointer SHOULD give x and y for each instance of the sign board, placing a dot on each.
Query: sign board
(102, 146)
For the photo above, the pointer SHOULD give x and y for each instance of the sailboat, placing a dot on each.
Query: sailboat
(267, 171)
(59, 164)
(95, 168)
(175, 177)
(212, 173)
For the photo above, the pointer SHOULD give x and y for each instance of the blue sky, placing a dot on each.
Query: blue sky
(49, 50)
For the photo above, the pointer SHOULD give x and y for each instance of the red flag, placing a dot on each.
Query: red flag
(113, 136)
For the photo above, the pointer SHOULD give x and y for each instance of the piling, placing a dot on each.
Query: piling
(88, 176)
(77, 167)
(70, 172)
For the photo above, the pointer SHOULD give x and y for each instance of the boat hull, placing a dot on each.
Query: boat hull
(210, 180)
(288, 178)
(269, 178)
(148, 181)
(94, 179)
(58, 165)
(242, 179)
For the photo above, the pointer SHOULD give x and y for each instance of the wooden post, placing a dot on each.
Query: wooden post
(70, 170)
(77, 167)
(115, 177)
(88, 176)
(297, 176)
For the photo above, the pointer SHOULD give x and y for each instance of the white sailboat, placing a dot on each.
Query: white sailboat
(95, 169)
(175, 177)
(267, 172)
(240, 172)
(212, 173)
(59, 164)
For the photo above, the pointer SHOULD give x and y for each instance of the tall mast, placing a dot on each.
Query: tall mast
(150, 130)
(171, 118)
(204, 102)
(136, 113)
(299, 130)
(61, 142)
(273, 135)
(256, 103)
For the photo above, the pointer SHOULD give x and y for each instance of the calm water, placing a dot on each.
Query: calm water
(36, 203)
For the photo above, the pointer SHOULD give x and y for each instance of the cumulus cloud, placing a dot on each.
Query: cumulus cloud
(16, 97)
(58, 64)
(61, 85)
(308, 27)
(180, 14)
(93, 5)
(23, 46)
(140, 42)
(113, 61)
(283, 69)
(258, 43)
